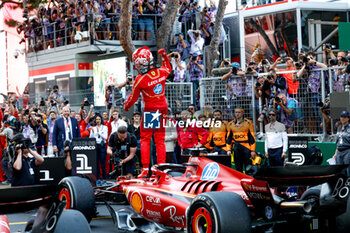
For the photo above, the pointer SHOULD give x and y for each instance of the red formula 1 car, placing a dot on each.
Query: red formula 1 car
(205, 196)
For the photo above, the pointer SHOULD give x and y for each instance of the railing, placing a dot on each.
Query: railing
(224, 95)
(92, 29)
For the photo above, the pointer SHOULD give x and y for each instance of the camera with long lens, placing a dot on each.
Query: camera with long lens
(329, 46)
(277, 99)
(299, 64)
(86, 102)
(270, 77)
(249, 70)
(305, 59)
(333, 62)
(323, 105)
(262, 115)
(17, 142)
(234, 70)
(52, 102)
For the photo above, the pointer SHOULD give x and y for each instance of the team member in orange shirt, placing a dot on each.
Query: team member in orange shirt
(241, 134)
(218, 135)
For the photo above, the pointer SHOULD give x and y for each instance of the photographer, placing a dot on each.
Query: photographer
(122, 146)
(182, 46)
(195, 67)
(225, 63)
(55, 96)
(84, 121)
(179, 67)
(23, 167)
(273, 85)
(314, 81)
(289, 110)
(197, 42)
(236, 85)
(109, 95)
(293, 85)
(42, 129)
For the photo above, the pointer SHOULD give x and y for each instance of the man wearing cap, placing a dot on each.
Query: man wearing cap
(241, 134)
(342, 154)
(276, 140)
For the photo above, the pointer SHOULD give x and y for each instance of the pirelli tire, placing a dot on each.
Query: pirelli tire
(79, 195)
(218, 212)
(72, 221)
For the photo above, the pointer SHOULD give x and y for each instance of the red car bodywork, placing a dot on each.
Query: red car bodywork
(164, 199)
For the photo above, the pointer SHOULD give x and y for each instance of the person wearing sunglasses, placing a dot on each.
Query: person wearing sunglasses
(276, 140)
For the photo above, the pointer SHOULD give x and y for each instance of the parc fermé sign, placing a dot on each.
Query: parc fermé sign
(297, 150)
(83, 156)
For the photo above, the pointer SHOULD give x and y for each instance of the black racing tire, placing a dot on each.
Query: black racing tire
(343, 220)
(218, 212)
(79, 195)
(72, 221)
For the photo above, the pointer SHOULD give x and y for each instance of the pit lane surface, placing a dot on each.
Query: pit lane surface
(101, 224)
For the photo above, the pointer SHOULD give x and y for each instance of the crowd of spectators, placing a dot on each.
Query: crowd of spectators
(64, 22)
(292, 87)
(51, 125)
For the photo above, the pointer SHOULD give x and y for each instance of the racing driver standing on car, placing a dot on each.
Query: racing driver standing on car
(151, 83)
(241, 134)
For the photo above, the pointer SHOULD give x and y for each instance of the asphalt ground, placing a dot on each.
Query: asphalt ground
(102, 223)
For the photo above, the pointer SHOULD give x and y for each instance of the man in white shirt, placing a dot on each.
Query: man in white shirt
(197, 42)
(276, 140)
(116, 123)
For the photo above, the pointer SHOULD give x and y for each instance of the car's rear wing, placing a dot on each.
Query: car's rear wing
(299, 175)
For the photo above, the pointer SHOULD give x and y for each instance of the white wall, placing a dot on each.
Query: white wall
(3, 77)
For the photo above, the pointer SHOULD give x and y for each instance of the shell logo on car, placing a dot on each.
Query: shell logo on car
(136, 202)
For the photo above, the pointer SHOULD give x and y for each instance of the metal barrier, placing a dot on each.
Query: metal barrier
(239, 91)
(179, 95)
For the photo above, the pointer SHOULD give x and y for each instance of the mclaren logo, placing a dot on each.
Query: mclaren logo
(84, 167)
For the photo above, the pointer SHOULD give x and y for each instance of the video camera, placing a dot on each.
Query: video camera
(115, 160)
(17, 142)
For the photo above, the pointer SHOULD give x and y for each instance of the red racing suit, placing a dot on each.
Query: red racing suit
(152, 87)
